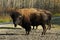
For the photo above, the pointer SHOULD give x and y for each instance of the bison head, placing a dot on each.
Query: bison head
(19, 20)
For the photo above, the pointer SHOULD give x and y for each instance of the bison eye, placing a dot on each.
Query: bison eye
(20, 16)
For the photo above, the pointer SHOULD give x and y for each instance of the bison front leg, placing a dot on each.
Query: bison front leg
(36, 27)
(44, 29)
(16, 21)
(33, 27)
(14, 24)
(28, 29)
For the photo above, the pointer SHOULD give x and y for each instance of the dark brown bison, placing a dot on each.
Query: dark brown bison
(29, 16)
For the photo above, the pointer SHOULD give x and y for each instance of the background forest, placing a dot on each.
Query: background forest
(51, 5)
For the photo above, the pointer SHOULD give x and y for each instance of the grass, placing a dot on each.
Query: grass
(56, 14)
(4, 19)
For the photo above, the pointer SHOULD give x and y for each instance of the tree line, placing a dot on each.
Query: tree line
(52, 5)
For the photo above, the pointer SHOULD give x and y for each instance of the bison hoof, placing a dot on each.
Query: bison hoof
(15, 26)
(43, 33)
(27, 33)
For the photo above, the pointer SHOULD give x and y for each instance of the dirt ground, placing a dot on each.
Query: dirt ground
(19, 34)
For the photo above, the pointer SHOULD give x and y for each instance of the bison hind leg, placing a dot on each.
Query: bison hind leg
(49, 25)
(35, 26)
(44, 29)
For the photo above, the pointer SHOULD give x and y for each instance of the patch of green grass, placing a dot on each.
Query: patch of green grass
(56, 14)
(5, 19)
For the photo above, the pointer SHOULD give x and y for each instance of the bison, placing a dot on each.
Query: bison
(30, 16)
